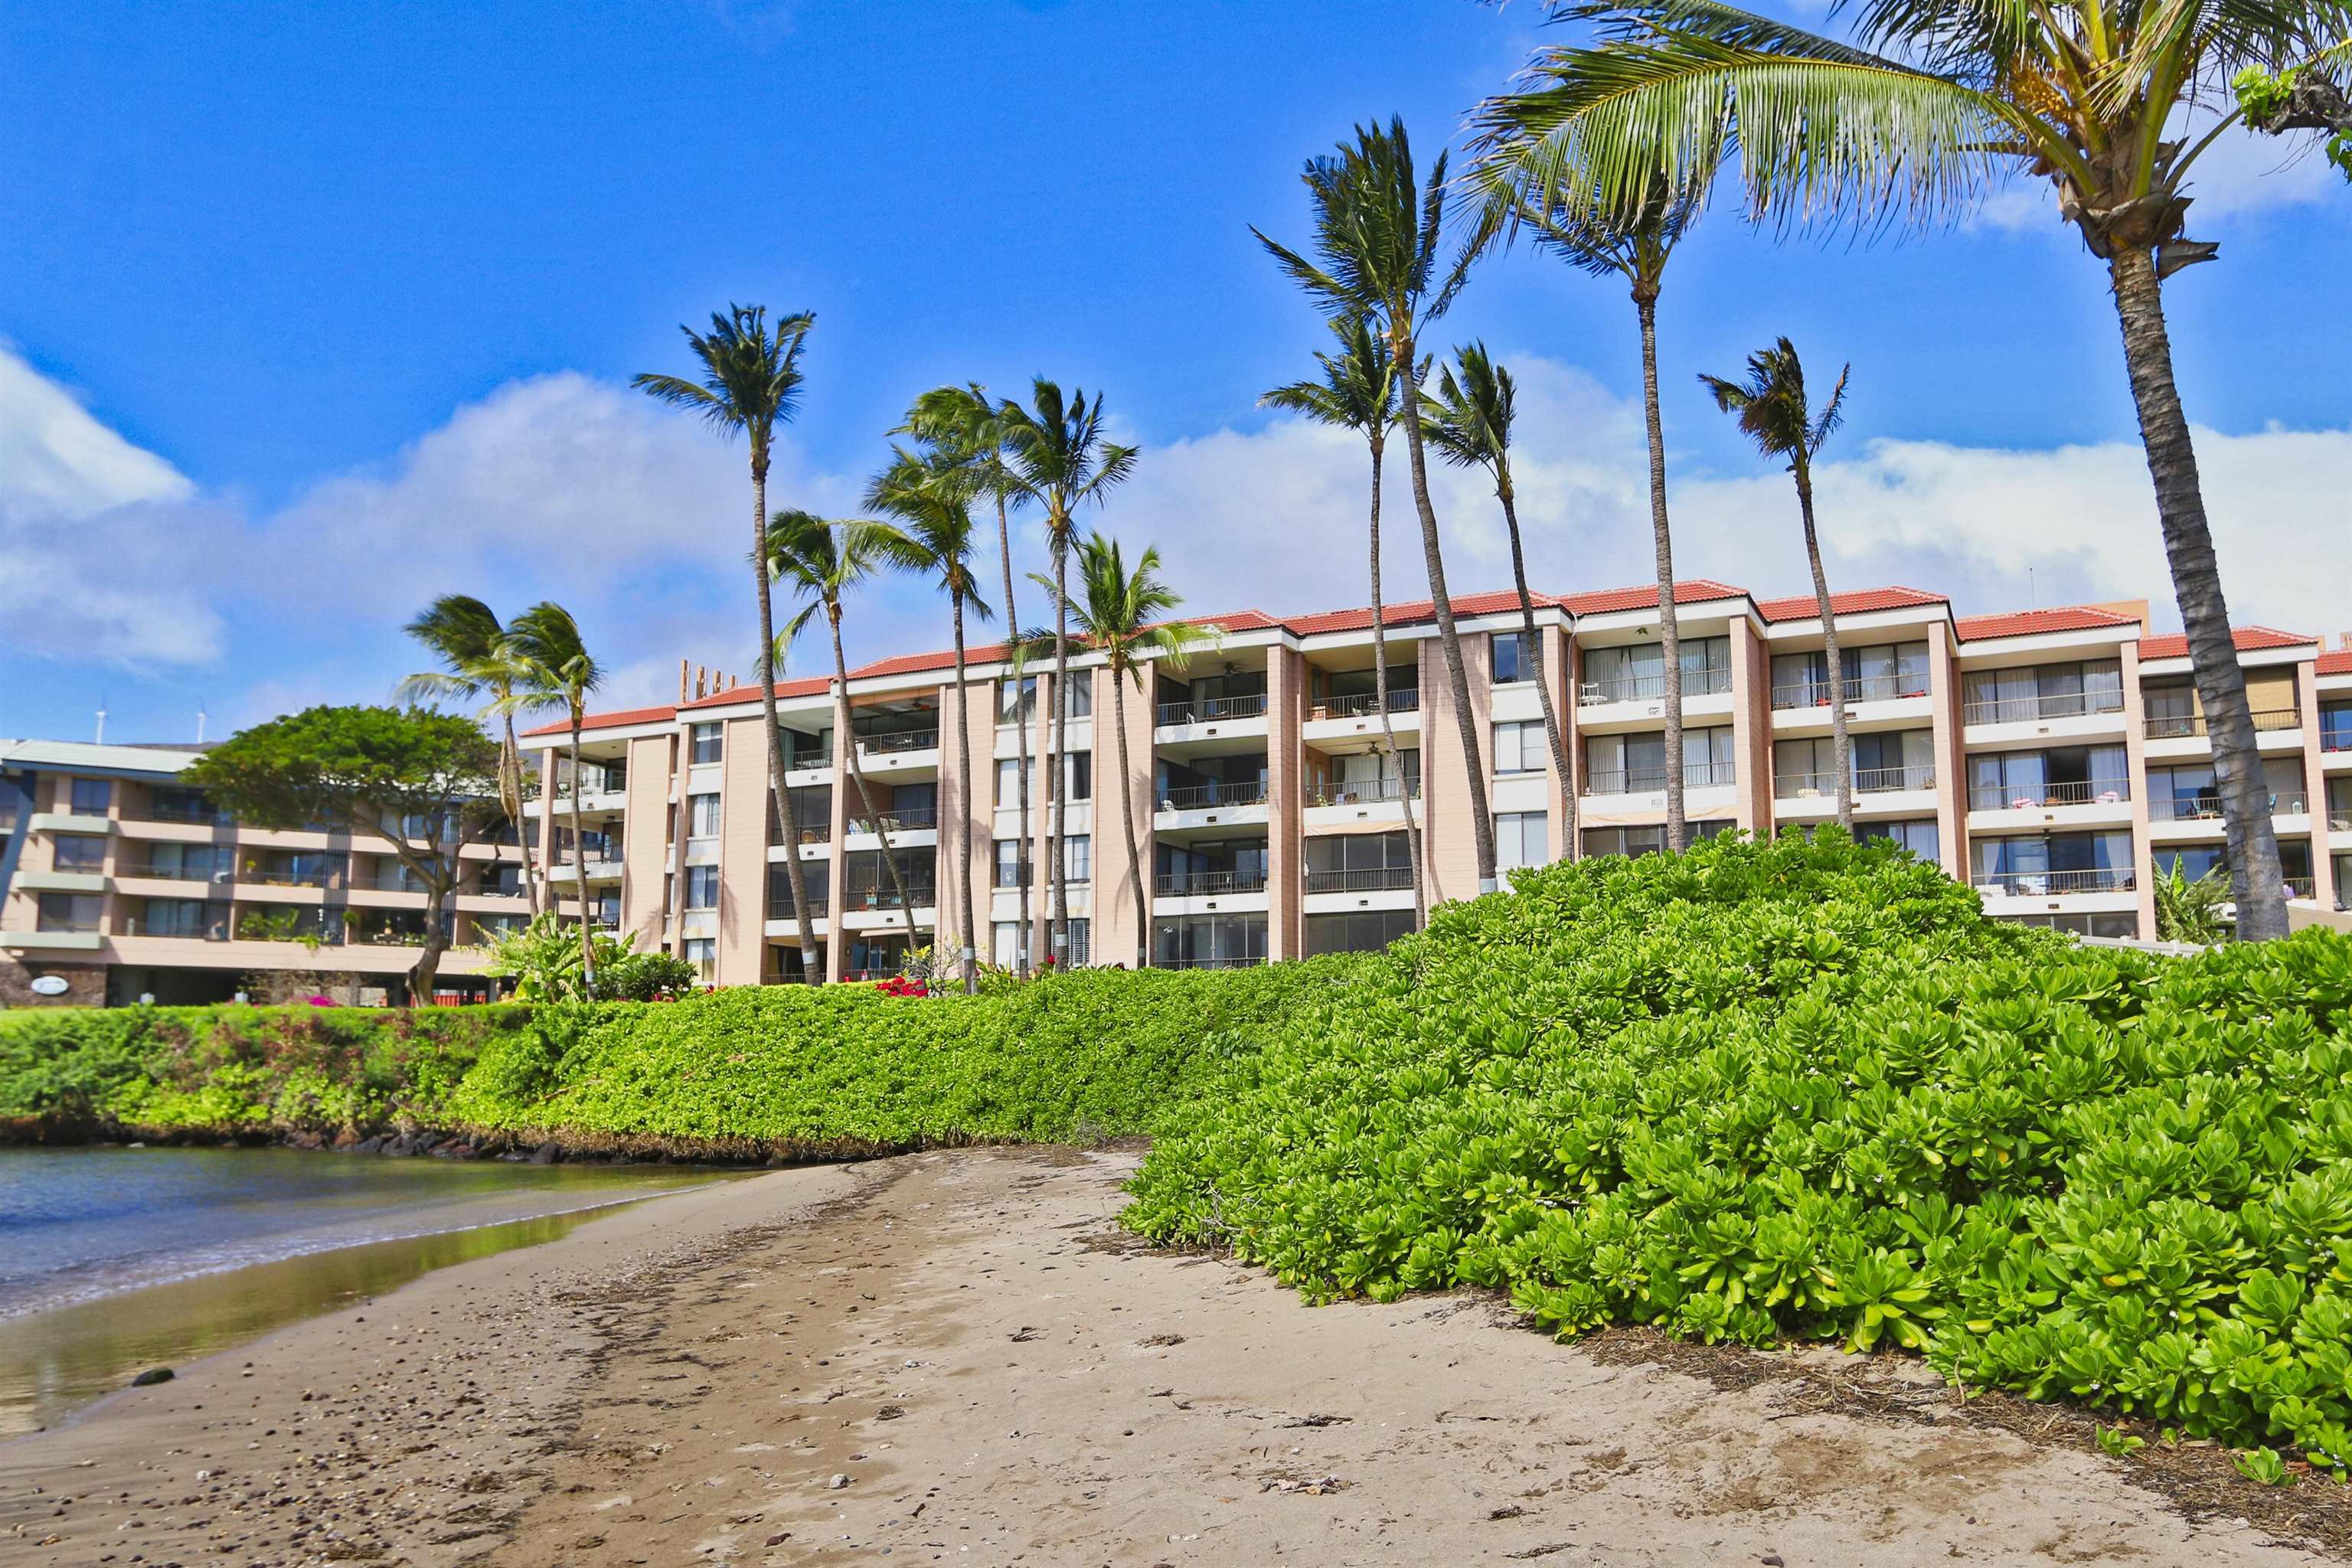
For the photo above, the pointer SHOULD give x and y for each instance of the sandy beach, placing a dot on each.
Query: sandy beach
(957, 1357)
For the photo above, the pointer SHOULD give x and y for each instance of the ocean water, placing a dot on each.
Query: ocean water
(114, 1261)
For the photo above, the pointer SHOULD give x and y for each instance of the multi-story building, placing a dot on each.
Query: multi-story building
(119, 883)
(2054, 759)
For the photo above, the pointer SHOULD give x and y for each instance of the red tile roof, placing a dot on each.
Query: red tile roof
(1805, 608)
(2250, 640)
(2338, 663)
(2034, 622)
(1408, 612)
(807, 686)
(1687, 591)
(612, 720)
(991, 653)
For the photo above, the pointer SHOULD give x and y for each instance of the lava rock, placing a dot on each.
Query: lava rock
(149, 1379)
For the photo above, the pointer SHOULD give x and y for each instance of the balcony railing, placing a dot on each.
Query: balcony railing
(2072, 792)
(223, 874)
(215, 930)
(819, 906)
(1866, 780)
(1401, 700)
(389, 883)
(608, 782)
(2191, 726)
(2339, 821)
(1652, 688)
(269, 878)
(1361, 793)
(1360, 879)
(2041, 884)
(204, 816)
(921, 895)
(1199, 884)
(803, 761)
(1209, 710)
(1194, 797)
(1648, 781)
(2050, 705)
(904, 819)
(1206, 962)
(1858, 688)
(2302, 887)
(2185, 808)
(897, 740)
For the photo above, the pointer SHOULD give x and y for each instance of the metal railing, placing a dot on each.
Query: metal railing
(2054, 705)
(388, 882)
(1401, 700)
(213, 930)
(819, 905)
(2185, 808)
(283, 879)
(1206, 962)
(899, 740)
(1866, 780)
(2039, 884)
(2071, 792)
(1194, 797)
(2191, 726)
(2339, 821)
(1197, 884)
(2290, 803)
(1646, 781)
(801, 761)
(921, 895)
(1652, 688)
(609, 781)
(208, 816)
(1207, 710)
(2335, 731)
(2302, 887)
(1362, 793)
(220, 874)
(1858, 688)
(900, 820)
(1360, 879)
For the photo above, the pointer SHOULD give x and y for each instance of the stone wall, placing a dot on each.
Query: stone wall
(85, 983)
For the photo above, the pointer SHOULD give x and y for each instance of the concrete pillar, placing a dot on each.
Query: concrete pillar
(1751, 727)
(742, 853)
(558, 890)
(837, 862)
(2314, 784)
(644, 840)
(1114, 933)
(966, 807)
(1450, 840)
(2136, 763)
(1286, 761)
(1951, 758)
(1554, 668)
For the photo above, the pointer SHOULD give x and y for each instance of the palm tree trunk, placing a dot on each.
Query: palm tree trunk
(968, 957)
(1840, 742)
(2256, 879)
(1127, 815)
(1670, 645)
(513, 759)
(580, 859)
(1057, 767)
(1543, 681)
(1022, 714)
(1381, 697)
(1482, 824)
(795, 877)
(858, 774)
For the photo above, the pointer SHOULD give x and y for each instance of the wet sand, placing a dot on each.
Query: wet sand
(957, 1357)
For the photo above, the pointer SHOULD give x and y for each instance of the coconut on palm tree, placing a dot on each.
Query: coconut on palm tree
(1773, 412)
(557, 672)
(1056, 456)
(821, 561)
(1468, 420)
(931, 498)
(1378, 233)
(750, 384)
(476, 660)
(1124, 615)
(1359, 392)
(1925, 109)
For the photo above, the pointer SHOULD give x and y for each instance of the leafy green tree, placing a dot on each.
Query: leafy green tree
(476, 660)
(1378, 232)
(2190, 910)
(371, 771)
(1773, 413)
(558, 674)
(750, 384)
(547, 965)
(1056, 457)
(931, 498)
(1916, 120)
(1468, 420)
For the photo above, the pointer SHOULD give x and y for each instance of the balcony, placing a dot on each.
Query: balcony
(188, 815)
(2075, 792)
(2191, 726)
(1214, 709)
(1204, 962)
(1866, 780)
(1858, 688)
(223, 875)
(1652, 688)
(1362, 880)
(1401, 700)
(919, 895)
(1208, 797)
(2048, 705)
(819, 906)
(898, 742)
(1650, 781)
(1362, 793)
(2052, 884)
(257, 878)
(903, 819)
(1207, 884)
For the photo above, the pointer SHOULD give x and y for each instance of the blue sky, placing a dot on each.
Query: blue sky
(322, 311)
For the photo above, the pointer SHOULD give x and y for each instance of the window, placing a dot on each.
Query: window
(702, 951)
(1007, 944)
(1520, 840)
(1359, 863)
(1209, 941)
(1519, 747)
(816, 877)
(2107, 925)
(1873, 674)
(77, 852)
(1079, 699)
(67, 911)
(702, 740)
(1514, 656)
(702, 886)
(92, 796)
(1368, 776)
(1080, 950)
(1901, 759)
(1647, 840)
(2043, 692)
(1008, 781)
(1011, 869)
(1077, 857)
(702, 816)
(1078, 769)
(1637, 673)
(2335, 727)
(181, 916)
(2064, 775)
(1918, 836)
(2036, 866)
(177, 802)
(1636, 764)
(1016, 699)
(1359, 930)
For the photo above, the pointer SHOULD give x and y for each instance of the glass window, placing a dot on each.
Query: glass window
(67, 911)
(1514, 656)
(1647, 840)
(1010, 869)
(1078, 701)
(702, 816)
(80, 852)
(1008, 781)
(703, 743)
(702, 950)
(1918, 836)
(1519, 747)
(1359, 930)
(92, 796)
(702, 886)
(1077, 857)
(1078, 768)
(1520, 840)
(1007, 944)
(1016, 699)
(2335, 727)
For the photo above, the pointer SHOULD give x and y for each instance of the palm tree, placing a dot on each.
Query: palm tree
(1916, 120)
(1056, 456)
(558, 673)
(751, 382)
(1377, 233)
(931, 498)
(1773, 413)
(1358, 392)
(1124, 616)
(821, 562)
(1469, 422)
(477, 660)
(962, 421)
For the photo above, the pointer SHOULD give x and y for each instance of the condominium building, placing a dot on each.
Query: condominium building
(119, 883)
(2054, 759)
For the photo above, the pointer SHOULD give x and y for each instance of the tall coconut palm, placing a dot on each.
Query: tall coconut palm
(476, 660)
(1916, 120)
(1125, 616)
(961, 421)
(1057, 457)
(752, 384)
(1468, 420)
(1773, 413)
(557, 673)
(931, 498)
(1376, 255)
(821, 561)
(1358, 392)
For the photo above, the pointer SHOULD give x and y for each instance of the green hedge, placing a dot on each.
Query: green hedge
(1810, 1090)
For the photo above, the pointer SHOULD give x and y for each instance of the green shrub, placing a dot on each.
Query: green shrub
(1810, 1090)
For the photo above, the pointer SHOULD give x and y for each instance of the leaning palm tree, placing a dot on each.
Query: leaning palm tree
(751, 382)
(1376, 232)
(1468, 420)
(962, 422)
(1916, 120)
(1773, 412)
(1056, 457)
(476, 660)
(1124, 616)
(931, 498)
(821, 561)
(557, 673)
(1358, 392)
